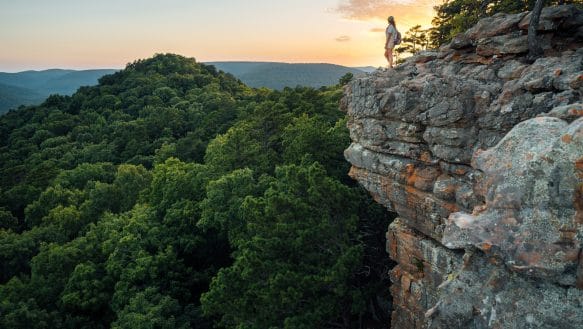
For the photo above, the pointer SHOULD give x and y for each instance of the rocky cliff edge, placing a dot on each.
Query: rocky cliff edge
(481, 156)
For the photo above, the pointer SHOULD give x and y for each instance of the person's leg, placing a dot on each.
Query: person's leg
(390, 57)
(387, 55)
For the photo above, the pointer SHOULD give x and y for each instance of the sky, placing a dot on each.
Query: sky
(89, 34)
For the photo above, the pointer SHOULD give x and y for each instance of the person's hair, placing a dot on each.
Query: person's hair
(391, 20)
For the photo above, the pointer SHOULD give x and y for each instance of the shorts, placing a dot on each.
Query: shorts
(391, 44)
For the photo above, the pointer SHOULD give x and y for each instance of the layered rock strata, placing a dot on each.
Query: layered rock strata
(481, 156)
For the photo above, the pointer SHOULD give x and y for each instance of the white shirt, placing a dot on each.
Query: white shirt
(392, 31)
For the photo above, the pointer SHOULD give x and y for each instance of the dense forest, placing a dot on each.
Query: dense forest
(171, 195)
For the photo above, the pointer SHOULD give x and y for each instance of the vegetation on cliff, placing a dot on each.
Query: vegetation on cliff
(456, 16)
(123, 204)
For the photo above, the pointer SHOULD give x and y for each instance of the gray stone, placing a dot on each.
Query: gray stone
(460, 41)
(529, 216)
(502, 45)
(496, 25)
(457, 137)
(482, 295)
(445, 187)
(553, 17)
(425, 56)
(452, 154)
(568, 113)
(511, 70)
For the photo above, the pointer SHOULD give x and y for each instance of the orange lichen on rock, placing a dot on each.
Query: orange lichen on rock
(567, 138)
(576, 112)
(579, 167)
(485, 246)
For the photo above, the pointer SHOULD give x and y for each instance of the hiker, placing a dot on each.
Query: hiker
(391, 33)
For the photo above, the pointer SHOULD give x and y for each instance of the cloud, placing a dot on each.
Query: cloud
(343, 38)
(406, 12)
(377, 29)
(367, 9)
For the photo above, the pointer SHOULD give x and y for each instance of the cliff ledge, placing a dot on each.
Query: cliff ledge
(481, 156)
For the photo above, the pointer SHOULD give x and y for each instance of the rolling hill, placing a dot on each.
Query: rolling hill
(32, 87)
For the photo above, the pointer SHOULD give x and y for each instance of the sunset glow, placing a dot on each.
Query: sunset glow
(82, 34)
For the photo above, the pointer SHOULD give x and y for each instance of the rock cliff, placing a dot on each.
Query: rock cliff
(481, 156)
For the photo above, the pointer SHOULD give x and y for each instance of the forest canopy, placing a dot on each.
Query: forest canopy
(173, 196)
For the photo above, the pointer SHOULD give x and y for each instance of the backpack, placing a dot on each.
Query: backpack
(398, 38)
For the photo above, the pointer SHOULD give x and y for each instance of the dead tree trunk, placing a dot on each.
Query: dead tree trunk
(534, 49)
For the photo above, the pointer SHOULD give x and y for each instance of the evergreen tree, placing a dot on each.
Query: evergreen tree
(414, 41)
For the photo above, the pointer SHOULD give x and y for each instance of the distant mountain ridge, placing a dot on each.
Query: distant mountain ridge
(33, 87)
(276, 75)
(13, 96)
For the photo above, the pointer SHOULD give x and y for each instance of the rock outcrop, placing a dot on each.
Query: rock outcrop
(481, 156)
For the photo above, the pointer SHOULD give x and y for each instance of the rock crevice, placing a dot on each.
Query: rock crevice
(481, 156)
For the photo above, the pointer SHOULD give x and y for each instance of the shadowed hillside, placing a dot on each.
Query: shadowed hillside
(11, 97)
(32, 87)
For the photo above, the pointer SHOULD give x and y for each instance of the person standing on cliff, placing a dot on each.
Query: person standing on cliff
(391, 33)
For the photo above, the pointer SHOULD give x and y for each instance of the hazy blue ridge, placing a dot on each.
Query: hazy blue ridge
(275, 75)
(68, 83)
(12, 97)
(31, 79)
(239, 68)
(367, 69)
(33, 87)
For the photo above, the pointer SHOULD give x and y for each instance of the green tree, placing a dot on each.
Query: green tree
(7, 220)
(295, 267)
(345, 79)
(151, 310)
(414, 41)
(130, 181)
(241, 147)
(222, 207)
(87, 290)
(314, 139)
